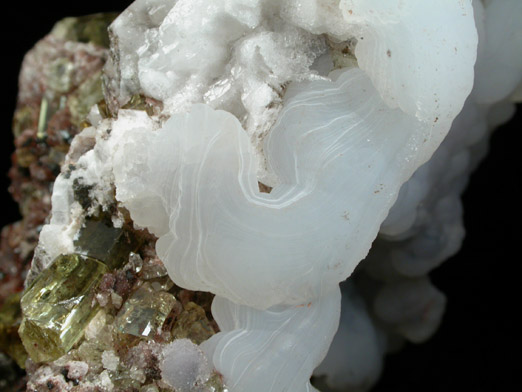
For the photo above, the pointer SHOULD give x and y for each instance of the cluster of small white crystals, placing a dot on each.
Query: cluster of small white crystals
(334, 105)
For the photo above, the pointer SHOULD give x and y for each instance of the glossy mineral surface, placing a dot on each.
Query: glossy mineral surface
(58, 306)
(100, 240)
(145, 312)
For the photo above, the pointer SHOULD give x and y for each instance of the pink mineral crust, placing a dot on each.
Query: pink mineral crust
(17, 242)
(40, 148)
(38, 155)
(85, 60)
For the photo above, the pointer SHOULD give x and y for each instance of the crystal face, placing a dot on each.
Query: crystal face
(58, 306)
(144, 312)
(103, 242)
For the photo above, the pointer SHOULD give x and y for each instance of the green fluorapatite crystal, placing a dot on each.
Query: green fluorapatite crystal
(58, 305)
(100, 240)
(10, 318)
(144, 312)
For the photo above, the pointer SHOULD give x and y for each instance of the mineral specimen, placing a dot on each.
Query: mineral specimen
(301, 160)
(335, 157)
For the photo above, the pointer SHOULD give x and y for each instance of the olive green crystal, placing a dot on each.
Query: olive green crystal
(192, 324)
(23, 119)
(80, 102)
(58, 305)
(144, 312)
(10, 318)
(88, 29)
(102, 241)
(215, 383)
(139, 102)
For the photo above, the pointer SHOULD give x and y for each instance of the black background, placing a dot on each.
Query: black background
(477, 347)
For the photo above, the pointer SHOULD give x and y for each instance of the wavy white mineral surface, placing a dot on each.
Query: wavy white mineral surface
(334, 105)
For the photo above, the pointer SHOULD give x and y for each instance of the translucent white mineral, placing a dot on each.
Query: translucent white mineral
(354, 360)
(334, 105)
(110, 360)
(424, 227)
(185, 366)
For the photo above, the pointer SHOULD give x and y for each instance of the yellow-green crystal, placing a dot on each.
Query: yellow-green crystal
(58, 306)
(144, 312)
(10, 318)
(43, 119)
(50, 104)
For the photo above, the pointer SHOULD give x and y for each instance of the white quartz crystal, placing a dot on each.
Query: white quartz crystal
(333, 104)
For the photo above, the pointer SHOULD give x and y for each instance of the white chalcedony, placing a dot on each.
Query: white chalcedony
(250, 95)
(340, 154)
(331, 103)
(336, 150)
(425, 227)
